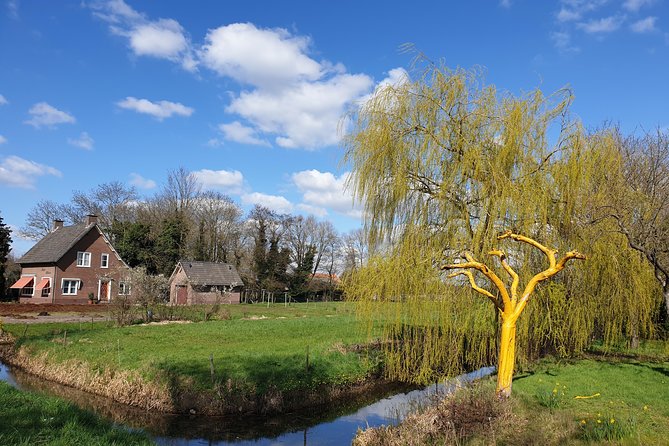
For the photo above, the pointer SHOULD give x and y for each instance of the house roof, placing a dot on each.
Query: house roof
(56, 244)
(211, 273)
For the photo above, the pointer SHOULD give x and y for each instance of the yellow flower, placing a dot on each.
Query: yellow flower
(611, 421)
(645, 407)
(599, 421)
(582, 421)
(554, 390)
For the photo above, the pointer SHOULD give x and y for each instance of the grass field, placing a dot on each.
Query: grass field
(296, 347)
(618, 399)
(30, 419)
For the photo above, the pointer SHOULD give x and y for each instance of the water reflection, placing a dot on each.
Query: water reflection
(319, 426)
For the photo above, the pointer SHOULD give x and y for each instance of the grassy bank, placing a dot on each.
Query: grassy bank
(254, 350)
(597, 399)
(31, 419)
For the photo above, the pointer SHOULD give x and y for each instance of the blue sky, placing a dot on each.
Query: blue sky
(249, 95)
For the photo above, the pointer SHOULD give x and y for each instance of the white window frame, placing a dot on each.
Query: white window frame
(123, 288)
(48, 287)
(84, 259)
(104, 260)
(32, 294)
(76, 287)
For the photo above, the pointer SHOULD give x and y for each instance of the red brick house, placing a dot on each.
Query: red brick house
(69, 264)
(195, 282)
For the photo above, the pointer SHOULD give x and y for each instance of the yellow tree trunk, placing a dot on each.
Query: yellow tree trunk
(507, 358)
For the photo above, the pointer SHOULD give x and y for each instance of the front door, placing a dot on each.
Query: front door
(182, 295)
(105, 289)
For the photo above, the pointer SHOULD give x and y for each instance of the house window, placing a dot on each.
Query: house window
(28, 290)
(45, 283)
(123, 288)
(70, 287)
(83, 258)
(104, 261)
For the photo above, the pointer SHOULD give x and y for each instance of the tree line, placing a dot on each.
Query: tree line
(182, 220)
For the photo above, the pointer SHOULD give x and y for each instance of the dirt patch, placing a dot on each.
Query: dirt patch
(16, 313)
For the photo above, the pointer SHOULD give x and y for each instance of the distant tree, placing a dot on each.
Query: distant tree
(181, 190)
(301, 275)
(39, 221)
(5, 248)
(113, 201)
(170, 244)
(135, 245)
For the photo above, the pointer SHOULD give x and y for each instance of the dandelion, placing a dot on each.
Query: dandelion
(612, 420)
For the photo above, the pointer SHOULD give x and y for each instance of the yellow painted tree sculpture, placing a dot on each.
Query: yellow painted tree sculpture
(508, 302)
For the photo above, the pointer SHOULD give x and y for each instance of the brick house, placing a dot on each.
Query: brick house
(69, 264)
(204, 282)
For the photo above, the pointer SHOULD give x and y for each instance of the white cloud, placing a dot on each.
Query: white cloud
(84, 141)
(238, 132)
(505, 3)
(644, 25)
(19, 172)
(45, 115)
(141, 182)
(162, 38)
(325, 190)
(274, 202)
(3, 101)
(305, 115)
(229, 180)
(265, 58)
(603, 25)
(13, 9)
(314, 210)
(159, 110)
(3, 140)
(568, 15)
(562, 41)
(635, 5)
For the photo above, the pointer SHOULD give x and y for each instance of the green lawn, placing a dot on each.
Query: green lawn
(30, 419)
(254, 345)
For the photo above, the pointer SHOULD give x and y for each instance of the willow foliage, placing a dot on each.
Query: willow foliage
(444, 163)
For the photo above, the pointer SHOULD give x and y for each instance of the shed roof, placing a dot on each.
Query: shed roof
(211, 273)
(56, 244)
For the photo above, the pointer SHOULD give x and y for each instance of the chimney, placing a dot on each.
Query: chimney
(91, 219)
(57, 224)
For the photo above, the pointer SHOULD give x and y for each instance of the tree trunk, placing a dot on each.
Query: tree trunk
(665, 293)
(507, 358)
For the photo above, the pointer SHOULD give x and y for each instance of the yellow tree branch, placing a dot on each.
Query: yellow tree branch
(550, 253)
(475, 287)
(546, 274)
(471, 263)
(508, 269)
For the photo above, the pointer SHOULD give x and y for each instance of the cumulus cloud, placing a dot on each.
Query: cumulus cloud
(229, 180)
(238, 132)
(159, 110)
(646, 25)
(274, 202)
(139, 181)
(3, 101)
(13, 9)
(265, 58)
(2, 139)
(324, 190)
(162, 38)
(45, 115)
(84, 141)
(18, 172)
(635, 5)
(568, 15)
(603, 25)
(562, 41)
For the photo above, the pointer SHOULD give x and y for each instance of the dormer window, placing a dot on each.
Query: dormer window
(83, 259)
(104, 261)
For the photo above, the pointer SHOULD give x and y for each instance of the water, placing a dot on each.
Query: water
(316, 427)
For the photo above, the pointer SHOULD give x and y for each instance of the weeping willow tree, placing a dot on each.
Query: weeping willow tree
(443, 163)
